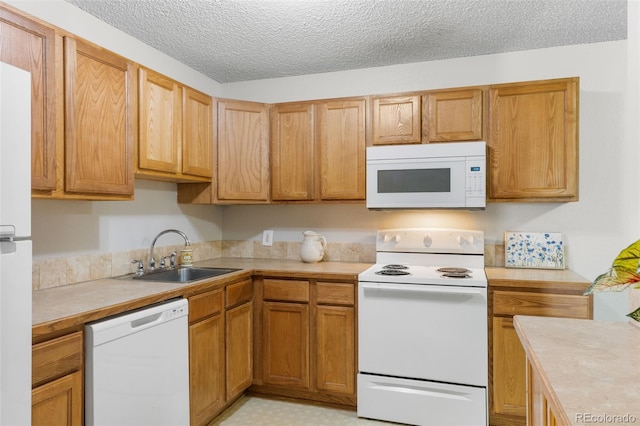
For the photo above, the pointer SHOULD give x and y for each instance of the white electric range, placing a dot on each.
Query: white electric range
(422, 329)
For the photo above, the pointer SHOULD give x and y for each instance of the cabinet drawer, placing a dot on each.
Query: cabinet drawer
(336, 293)
(540, 304)
(239, 293)
(205, 304)
(286, 290)
(56, 358)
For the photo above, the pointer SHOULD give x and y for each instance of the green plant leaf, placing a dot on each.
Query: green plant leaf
(624, 272)
(635, 315)
(628, 258)
(616, 279)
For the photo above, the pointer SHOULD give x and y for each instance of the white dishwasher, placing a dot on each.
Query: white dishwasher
(137, 367)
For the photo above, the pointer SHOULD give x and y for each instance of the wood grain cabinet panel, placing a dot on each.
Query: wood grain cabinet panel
(197, 139)
(59, 402)
(243, 151)
(454, 115)
(533, 141)
(239, 349)
(335, 349)
(160, 122)
(99, 120)
(396, 120)
(341, 140)
(206, 368)
(285, 351)
(32, 47)
(292, 152)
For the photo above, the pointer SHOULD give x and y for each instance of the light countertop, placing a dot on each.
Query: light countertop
(71, 306)
(592, 367)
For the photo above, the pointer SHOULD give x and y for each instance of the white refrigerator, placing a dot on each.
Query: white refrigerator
(15, 246)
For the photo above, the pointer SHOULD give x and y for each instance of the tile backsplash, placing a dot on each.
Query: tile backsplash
(60, 271)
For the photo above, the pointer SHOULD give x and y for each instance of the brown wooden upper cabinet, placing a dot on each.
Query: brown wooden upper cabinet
(437, 116)
(396, 120)
(341, 149)
(454, 115)
(292, 152)
(533, 141)
(99, 120)
(31, 46)
(175, 126)
(243, 152)
(317, 150)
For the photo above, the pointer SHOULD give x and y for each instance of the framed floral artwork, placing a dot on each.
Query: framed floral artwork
(541, 250)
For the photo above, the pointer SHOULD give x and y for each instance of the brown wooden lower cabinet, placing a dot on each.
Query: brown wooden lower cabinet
(507, 371)
(307, 345)
(206, 365)
(335, 349)
(220, 349)
(239, 337)
(59, 402)
(57, 397)
(285, 350)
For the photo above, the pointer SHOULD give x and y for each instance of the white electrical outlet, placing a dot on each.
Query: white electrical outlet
(267, 237)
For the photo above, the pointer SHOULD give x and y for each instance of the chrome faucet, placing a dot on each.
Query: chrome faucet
(152, 261)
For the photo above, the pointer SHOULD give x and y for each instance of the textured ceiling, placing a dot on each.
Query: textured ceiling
(239, 40)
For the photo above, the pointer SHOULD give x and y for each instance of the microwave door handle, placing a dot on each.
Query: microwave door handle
(423, 288)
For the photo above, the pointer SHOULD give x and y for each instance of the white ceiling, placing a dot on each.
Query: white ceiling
(239, 40)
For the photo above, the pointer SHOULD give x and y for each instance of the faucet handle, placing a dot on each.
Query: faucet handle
(140, 268)
(172, 259)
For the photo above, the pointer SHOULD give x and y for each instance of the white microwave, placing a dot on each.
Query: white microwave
(427, 176)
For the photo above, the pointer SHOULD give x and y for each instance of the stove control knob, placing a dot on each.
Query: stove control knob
(462, 240)
(427, 240)
(391, 238)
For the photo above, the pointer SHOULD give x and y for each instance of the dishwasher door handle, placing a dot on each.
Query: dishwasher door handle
(144, 321)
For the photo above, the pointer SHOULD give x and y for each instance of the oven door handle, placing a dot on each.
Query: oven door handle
(420, 288)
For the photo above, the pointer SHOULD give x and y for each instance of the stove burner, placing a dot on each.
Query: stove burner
(453, 270)
(392, 272)
(395, 266)
(456, 275)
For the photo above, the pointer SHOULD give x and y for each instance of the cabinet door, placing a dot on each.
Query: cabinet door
(292, 159)
(58, 402)
(239, 349)
(206, 369)
(509, 372)
(197, 142)
(533, 141)
(30, 46)
(285, 337)
(396, 120)
(99, 126)
(455, 115)
(160, 122)
(243, 151)
(341, 139)
(335, 349)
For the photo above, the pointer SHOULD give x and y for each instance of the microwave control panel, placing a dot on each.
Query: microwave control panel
(476, 178)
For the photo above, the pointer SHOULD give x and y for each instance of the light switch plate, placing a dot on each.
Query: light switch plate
(267, 237)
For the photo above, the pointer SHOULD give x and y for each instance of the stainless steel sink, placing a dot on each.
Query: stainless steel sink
(184, 275)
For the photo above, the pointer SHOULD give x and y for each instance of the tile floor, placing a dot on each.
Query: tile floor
(258, 411)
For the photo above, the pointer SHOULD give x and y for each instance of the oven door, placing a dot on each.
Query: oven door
(424, 332)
